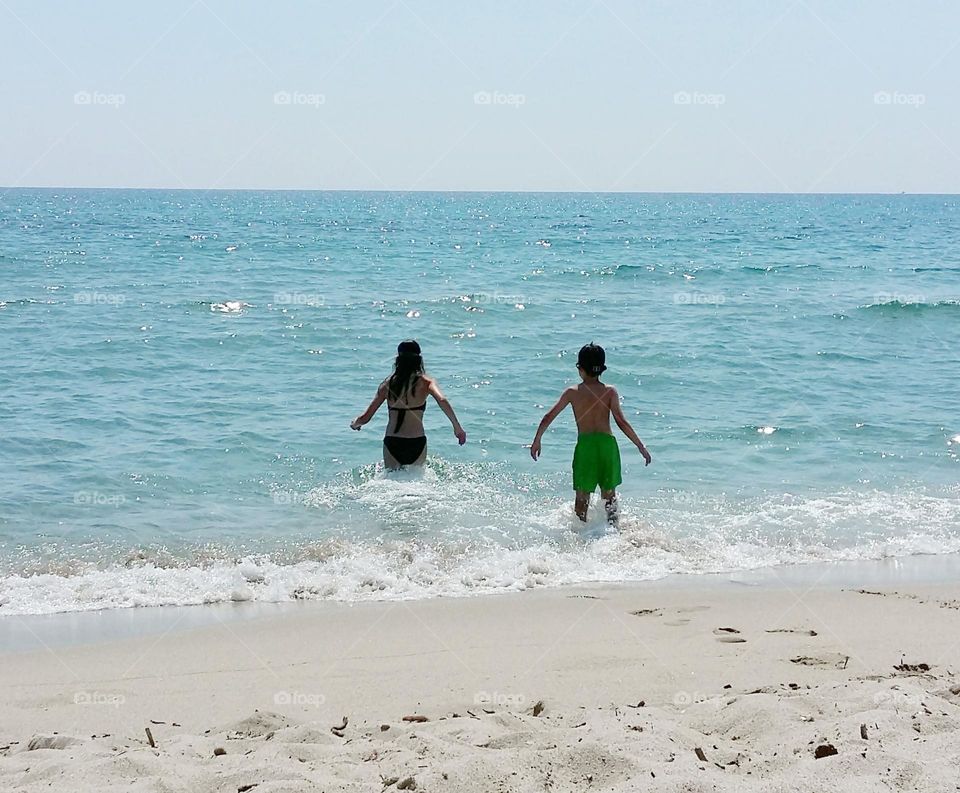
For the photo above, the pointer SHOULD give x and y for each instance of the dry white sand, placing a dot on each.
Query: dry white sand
(706, 687)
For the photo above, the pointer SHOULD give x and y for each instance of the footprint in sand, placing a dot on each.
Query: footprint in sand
(647, 613)
(728, 635)
(824, 659)
(659, 613)
(673, 623)
(798, 631)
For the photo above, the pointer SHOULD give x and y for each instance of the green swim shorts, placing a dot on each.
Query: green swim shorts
(596, 461)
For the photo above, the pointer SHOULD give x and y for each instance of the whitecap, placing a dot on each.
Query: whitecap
(230, 307)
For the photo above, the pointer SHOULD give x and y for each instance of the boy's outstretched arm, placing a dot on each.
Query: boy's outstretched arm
(624, 425)
(547, 420)
(447, 409)
(364, 418)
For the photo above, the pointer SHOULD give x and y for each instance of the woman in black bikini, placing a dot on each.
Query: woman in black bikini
(405, 393)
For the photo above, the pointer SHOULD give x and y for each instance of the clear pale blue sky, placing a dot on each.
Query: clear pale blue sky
(782, 95)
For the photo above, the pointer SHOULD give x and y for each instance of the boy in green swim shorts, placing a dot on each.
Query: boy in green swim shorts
(596, 459)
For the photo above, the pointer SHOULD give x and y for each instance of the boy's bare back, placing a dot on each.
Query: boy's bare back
(591, 404)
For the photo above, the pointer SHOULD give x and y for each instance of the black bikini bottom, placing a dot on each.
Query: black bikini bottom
(405, 451)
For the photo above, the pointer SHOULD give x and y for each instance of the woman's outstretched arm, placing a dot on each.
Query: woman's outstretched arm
(371, 411)
(447, 409)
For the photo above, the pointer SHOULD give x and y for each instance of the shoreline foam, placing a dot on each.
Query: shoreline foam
(26, 632)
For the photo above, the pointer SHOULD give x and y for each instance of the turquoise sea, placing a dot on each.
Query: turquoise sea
(179, 370)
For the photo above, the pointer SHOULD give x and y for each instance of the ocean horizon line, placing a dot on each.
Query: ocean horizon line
(470, 191)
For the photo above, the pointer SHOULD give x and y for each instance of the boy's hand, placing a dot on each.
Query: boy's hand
(535, 449)
(646, 455)
(461, 435)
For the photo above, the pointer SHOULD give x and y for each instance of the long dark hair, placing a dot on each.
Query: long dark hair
(406, 369)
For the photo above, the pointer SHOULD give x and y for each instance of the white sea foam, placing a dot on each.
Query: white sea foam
(230, 307)
(712, 535)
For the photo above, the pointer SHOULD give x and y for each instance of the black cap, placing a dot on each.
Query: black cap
(592, 359)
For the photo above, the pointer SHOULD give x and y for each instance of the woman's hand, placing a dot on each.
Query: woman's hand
(356, 424)
(460, 435)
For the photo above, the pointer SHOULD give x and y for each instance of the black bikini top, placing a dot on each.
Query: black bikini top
(402, 413)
